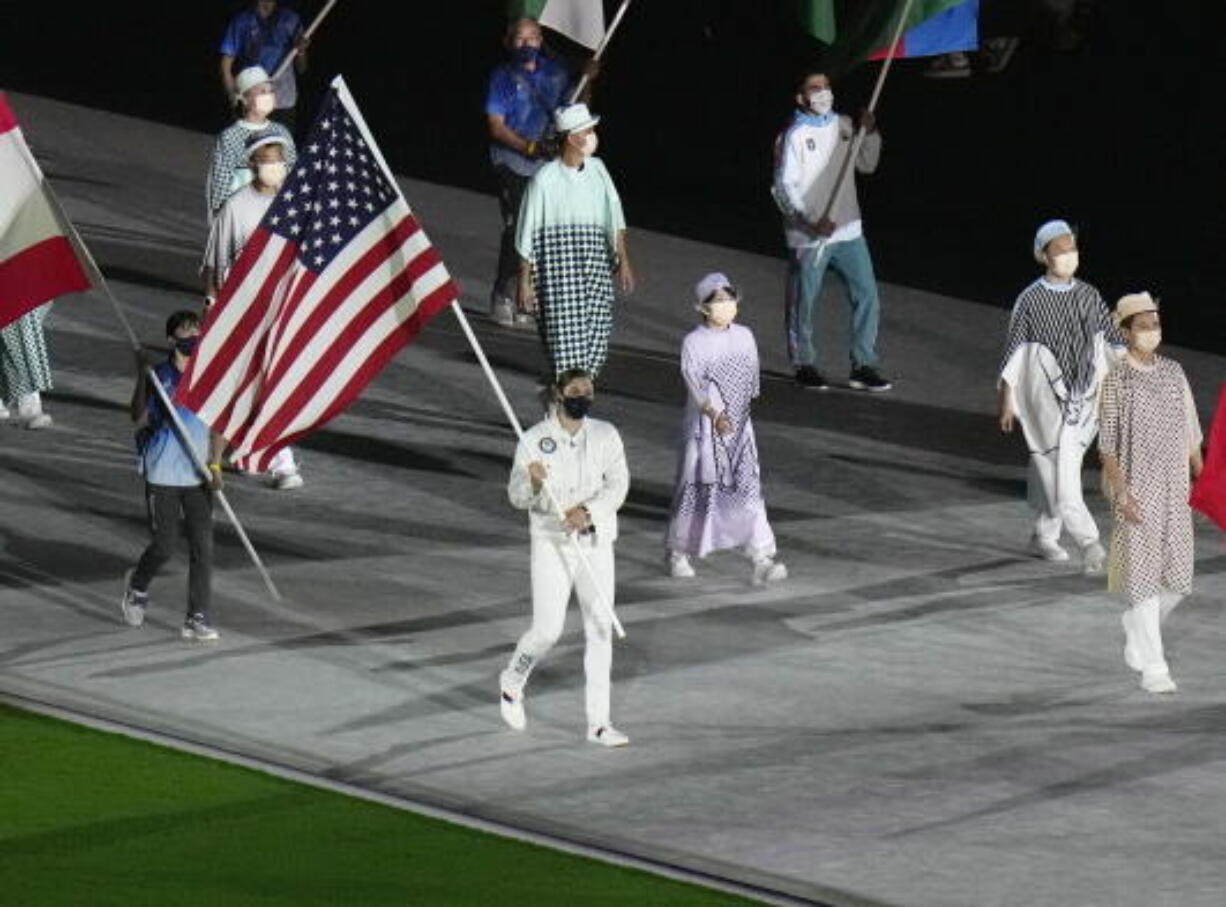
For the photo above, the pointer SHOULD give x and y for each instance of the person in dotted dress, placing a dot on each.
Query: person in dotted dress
(1149, 438)
(718, 503)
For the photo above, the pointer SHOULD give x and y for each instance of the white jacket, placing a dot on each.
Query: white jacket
(588, 468)
(808, 157)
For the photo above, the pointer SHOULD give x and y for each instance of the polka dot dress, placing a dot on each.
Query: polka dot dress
(1148, 422)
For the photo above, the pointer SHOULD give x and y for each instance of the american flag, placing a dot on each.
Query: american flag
(335, 280)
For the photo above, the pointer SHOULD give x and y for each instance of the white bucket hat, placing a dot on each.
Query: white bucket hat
(1133, 304)
(250, 77)
(1048, 232)
(574, 118)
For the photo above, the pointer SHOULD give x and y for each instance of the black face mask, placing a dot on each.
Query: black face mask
(577, 407)
(187, 345)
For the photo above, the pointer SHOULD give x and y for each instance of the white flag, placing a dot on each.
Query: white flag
(580, 20)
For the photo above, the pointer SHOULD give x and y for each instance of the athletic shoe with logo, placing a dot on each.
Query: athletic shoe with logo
(607, 736)
(133, 603)
(512, 706)
(867, 378)
(197, 629)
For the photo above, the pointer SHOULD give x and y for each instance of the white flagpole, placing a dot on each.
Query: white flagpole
(342, 90)
(845, 167)
(180, 430)
(604, 42)
(293, 51)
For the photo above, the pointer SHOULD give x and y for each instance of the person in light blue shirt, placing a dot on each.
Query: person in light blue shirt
(177, 494)
(524, 92)
(262, 35)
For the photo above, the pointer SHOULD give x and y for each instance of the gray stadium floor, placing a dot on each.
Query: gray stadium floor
(920, 715)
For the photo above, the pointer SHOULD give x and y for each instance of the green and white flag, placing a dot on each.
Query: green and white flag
(580, 20)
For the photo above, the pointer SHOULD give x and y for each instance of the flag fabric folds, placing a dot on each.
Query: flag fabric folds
(336, 279)
(953, 29)
(580, 20)
(818, 19)
(38, 261)
(1209, 492)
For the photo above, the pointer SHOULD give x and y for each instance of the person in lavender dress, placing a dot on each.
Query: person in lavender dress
(718, 503)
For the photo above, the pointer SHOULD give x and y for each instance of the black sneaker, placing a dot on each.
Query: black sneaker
(867, 378)
(810, 378)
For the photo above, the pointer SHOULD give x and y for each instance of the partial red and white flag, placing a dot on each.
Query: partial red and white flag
(38, 261)
(338, 277)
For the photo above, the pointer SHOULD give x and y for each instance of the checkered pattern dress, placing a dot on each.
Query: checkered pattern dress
(717, 501)
(568, 225)
(574, 288)
(1149, 424)
(24, 366)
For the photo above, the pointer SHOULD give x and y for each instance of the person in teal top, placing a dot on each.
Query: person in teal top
(571, 241)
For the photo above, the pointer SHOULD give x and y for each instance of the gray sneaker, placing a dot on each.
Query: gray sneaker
(197, 629)
(133, 603)
(502, 310)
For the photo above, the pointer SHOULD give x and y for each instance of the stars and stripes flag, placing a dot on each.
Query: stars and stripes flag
(38, 256)
(338, 277)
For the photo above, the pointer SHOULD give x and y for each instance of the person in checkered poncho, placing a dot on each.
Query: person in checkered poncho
(571, 241)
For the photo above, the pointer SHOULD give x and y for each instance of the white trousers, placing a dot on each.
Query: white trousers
(1055, 490)
(1143, 626)
(556, 570)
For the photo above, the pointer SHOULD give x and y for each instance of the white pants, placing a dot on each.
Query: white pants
(1055, 491)
(28, 407)
(556, 570)
(1143, 626)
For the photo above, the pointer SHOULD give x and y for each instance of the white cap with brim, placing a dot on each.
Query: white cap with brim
(250, 77)
(256, 142)
(709, 286)
(1046, 233)
(1133, 304)
(574, 118)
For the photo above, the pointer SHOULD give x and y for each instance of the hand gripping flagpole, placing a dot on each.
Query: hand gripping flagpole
(854, 151)
(180, 430)
(606, 606)
(604, 42)
(306, 36)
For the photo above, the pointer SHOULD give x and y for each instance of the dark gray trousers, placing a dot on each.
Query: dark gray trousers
(171, 507)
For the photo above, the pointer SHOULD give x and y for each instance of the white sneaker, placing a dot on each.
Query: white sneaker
(4, 413)
(679, 566)
(1158, 683)
(768, 570)
(197, 629)
(1132, 657)
(37, 423)
(512, 705)
(524, 321)
(287, 481)
(502, 310)
(607, 736)
(132, 603)
(1049, 551)
(1093, 559)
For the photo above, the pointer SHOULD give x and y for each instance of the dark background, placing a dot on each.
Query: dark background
(1121, 135)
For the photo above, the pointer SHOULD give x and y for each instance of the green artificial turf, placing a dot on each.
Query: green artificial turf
(90, 818)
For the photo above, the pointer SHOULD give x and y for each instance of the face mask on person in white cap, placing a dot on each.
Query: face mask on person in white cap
(268, 166)
(716, 300)
(254, 87)
(1055, 246)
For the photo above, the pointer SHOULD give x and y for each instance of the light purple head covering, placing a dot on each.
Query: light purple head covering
(1046, 233)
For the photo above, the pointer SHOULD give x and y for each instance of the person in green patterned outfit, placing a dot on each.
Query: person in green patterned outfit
(25, 370)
